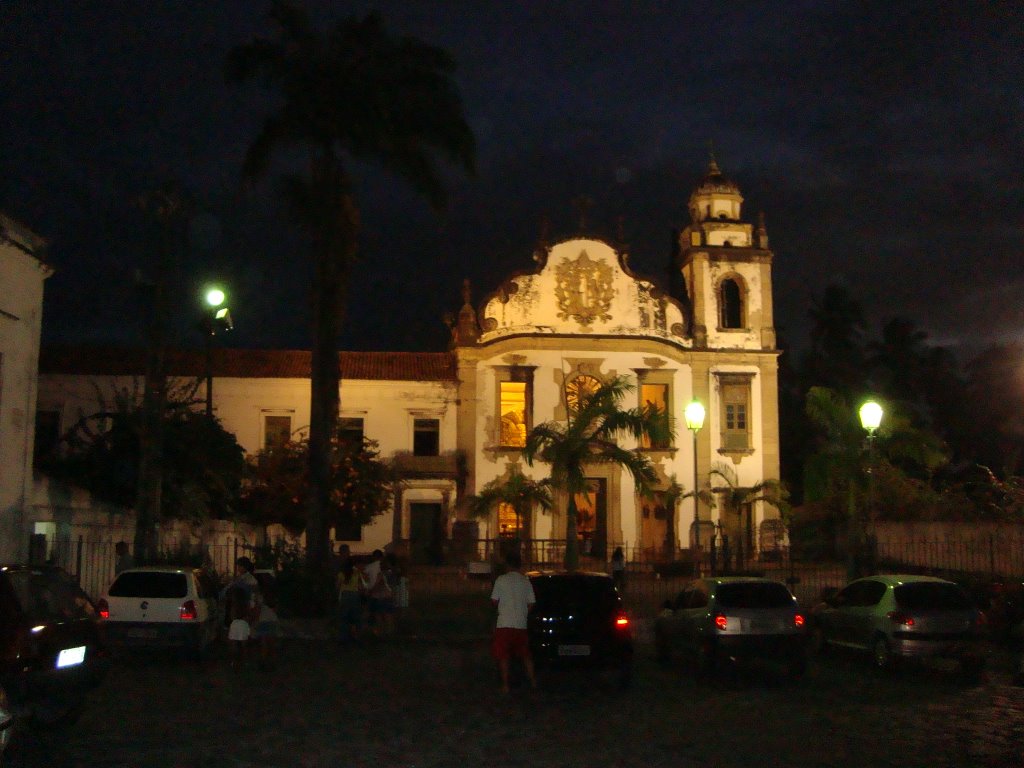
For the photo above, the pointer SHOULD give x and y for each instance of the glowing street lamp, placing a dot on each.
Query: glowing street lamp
(694, 415)
(870, 419)
(217, 317)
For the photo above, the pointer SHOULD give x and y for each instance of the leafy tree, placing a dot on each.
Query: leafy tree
(836, 358)
(587, 437)
(523, 494)
(354, 93)
(202, 469)
(360, 488)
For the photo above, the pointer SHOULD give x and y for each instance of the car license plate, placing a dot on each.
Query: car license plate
(574, 650)
(763, 625)
(143, 633)
(69, 657)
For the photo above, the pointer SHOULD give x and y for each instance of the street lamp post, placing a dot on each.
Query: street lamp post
(694, 414)
(216, 316)
(870, 417)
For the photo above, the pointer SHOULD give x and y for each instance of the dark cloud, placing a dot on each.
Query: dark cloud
(883, 141)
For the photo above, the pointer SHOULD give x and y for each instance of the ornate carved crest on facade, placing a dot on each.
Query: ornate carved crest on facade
(584, 290)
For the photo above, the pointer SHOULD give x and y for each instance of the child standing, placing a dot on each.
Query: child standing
(239, 631)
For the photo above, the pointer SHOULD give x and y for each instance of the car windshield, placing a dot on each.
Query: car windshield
(753, 594)
(574, 593)
(149, 584)
(49, 596)
(931, 596)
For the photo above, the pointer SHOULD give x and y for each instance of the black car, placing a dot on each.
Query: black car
(579, 621)
(51, 651)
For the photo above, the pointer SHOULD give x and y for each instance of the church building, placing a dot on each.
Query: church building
(575, 317)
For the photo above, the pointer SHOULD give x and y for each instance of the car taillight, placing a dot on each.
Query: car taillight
(622, 621)
(188, 611)
(103, 609)
(798, 620)
(722, 621)
(896, 617)
(981, 620)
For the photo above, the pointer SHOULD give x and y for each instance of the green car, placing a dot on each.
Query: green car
(902, 616)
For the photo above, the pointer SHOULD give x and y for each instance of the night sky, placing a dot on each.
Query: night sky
(882, 140)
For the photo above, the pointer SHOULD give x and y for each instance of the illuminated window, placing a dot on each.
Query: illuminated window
(579, 390)
(730, 304)
(655, 396)
(508, 523)
(277, 430)
(735, 414)
(513, 414)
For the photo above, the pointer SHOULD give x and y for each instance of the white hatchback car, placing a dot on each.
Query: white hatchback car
(161, 606)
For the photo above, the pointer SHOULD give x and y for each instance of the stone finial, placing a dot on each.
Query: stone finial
(467, 331)
(762, 231)
(542, 239)
(582, 205)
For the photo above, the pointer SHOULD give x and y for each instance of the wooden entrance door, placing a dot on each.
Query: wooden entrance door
(592, 518)
(425, 533)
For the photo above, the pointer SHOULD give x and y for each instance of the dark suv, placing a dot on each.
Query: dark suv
(51, 653)
(579, 621)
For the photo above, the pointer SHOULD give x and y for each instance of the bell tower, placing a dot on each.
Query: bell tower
(726, 265)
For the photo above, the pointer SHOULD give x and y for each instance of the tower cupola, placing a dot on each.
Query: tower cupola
(716, 197)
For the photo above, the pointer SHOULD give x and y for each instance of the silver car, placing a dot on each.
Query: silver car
(902, 616)
(732, 618)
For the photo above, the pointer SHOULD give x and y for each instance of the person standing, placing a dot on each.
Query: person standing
(350, 602)
(376, 589)
(122, 557)
(513, 596)
(619, 569)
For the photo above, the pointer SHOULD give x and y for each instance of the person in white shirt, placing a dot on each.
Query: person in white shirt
(513, 597)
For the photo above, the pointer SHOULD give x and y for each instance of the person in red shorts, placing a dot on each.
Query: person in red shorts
(513, 597)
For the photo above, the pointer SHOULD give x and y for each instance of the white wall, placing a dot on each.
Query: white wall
(21, 312)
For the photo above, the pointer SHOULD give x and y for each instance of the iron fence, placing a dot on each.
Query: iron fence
(650, 579)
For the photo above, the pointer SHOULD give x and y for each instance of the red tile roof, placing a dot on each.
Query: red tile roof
(247, 363)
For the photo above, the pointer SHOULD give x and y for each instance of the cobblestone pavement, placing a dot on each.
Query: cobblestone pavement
(407, 702)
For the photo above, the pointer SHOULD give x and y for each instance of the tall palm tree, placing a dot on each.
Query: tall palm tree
(586, 438)
(518, 491)
(354, 93)
(735, 496)
(675, 493)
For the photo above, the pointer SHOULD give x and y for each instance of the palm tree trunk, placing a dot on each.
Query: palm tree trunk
(572, 545)
(670, 531)
(334, 252)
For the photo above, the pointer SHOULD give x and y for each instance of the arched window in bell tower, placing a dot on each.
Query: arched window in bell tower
(730, 304)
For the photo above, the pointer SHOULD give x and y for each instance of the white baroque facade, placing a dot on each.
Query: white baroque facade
(454, 421)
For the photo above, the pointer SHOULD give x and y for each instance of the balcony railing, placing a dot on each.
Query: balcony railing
(408, 464)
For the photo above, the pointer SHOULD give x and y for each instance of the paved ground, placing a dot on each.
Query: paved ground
(423, 703)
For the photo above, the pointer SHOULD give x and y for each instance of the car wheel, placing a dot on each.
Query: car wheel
(972, 668)
(818, 642)
(662, 650)
(6, 721)
(797, 665)
(882, 656)
(705, 662)
(625, 674)
(57, 713)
